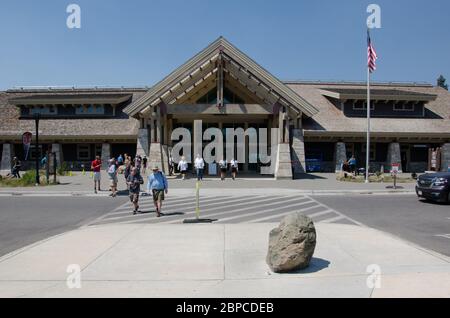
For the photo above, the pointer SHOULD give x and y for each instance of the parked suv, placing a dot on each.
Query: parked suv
(434, 186)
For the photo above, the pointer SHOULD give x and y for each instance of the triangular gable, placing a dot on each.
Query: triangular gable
(203, 67)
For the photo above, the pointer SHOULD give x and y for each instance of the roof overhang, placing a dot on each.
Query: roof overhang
(113, 99)
(204, 66)
(382, 94)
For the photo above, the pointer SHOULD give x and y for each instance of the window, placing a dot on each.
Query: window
(43, 110)
(373, 154)
(406, 107)
(90, 110)
(83, 152)
(98, 150)
(363, 106)
(32, 153)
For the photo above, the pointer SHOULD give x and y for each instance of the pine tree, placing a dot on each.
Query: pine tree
(441, 82)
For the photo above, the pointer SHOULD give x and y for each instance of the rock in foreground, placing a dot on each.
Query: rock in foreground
(292, 244)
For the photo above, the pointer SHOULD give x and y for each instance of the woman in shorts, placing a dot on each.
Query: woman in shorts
(183, 167)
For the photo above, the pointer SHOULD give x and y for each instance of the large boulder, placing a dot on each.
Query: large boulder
(292, 244)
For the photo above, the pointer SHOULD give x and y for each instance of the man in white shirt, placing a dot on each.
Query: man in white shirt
(183, 166)
(199, 165)
(223, 169)
(234, 168)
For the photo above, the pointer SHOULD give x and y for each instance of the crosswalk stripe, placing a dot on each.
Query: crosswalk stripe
(262, 211)
(337, 218)
(270, 217)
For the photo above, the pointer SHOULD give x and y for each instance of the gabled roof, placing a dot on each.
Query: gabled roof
(237, 64)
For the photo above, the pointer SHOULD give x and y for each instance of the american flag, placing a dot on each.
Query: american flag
(371, 55)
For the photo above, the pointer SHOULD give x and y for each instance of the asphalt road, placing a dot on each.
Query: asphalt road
(423, 223)
(25, 220)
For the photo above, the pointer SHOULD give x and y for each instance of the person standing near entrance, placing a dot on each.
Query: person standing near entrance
(157, 184)
(134, 182)
(144, 165)
(183, 166)
(234, 168)
(96, 166)
(352, 164)
(223, 169)
(200, 167)
(112, 174)
(171, 165)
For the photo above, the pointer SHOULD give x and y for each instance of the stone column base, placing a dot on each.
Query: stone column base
(445, 157)
(283, 168)
(7, 156)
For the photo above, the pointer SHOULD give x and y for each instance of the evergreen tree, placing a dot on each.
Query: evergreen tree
(441, 82)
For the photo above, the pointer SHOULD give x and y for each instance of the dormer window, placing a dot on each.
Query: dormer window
(406, 107)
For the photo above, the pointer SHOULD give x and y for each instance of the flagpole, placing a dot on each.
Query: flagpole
(368, 127)
(368, 124)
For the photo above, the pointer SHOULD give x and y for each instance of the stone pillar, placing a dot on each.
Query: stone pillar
(445, 157)
(106, 155)
(394, 155)
(283, 168)
(246, 150)
(57, 149)
(298, 152)
(340, 155)
(7, 155)
(143, 142)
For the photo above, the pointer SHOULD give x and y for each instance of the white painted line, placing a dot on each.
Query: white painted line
(263, 211)
(444, 236)
(270, 217)
(338, 213)
(337, 218)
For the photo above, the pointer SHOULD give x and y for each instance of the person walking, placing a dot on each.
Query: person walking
(223, 169)
(183, 166)
(134, 182)
(138, 163)
(234, 168)
(199, 165)
(120, 160)
(96, 166)
(112, 174)
(16, 165)
(158, 186)
(144, 164)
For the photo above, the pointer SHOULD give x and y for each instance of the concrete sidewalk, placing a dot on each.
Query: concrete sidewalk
(311, 184)
(219, 261)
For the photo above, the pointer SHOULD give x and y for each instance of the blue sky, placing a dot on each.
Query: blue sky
(138, 42)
